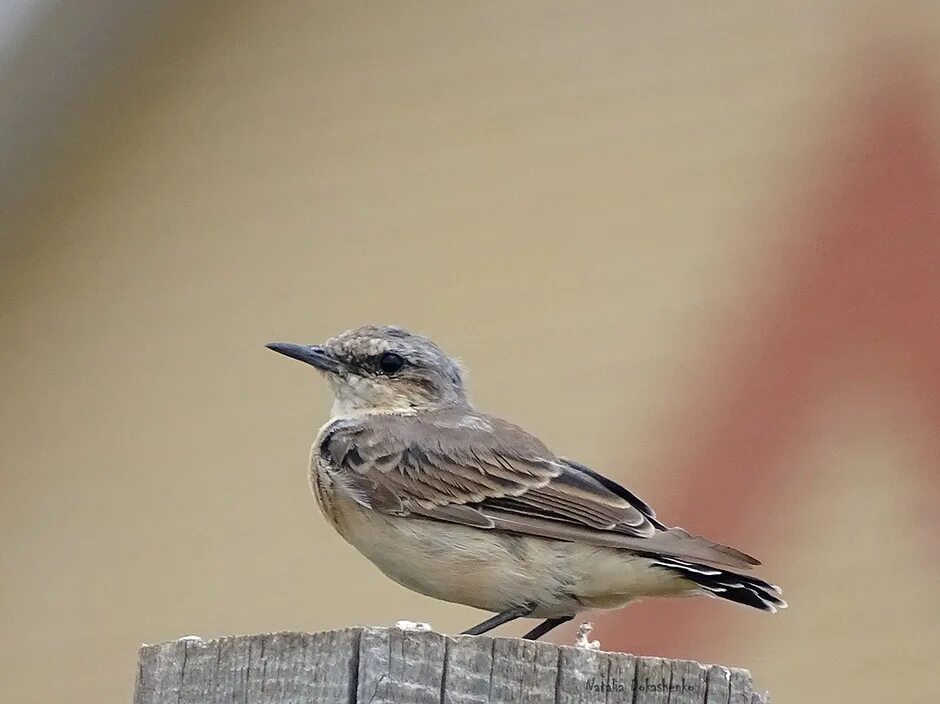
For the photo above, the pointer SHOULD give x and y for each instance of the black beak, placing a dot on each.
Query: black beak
(311, 354)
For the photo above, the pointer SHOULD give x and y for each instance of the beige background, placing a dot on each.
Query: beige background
(574, 198)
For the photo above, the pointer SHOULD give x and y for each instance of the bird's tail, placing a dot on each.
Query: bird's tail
(722, 584)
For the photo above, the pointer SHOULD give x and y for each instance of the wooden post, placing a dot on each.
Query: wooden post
(392, 666)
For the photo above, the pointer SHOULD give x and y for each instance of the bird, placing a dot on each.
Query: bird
(471, 509)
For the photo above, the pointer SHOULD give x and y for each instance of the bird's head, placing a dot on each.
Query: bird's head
(379, 368)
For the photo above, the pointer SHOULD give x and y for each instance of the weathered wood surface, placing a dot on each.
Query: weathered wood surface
(391, 666)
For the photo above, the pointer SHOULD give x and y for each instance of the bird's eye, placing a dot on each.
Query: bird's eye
(390, 363)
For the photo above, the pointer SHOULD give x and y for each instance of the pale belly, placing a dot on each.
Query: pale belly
(495, 571)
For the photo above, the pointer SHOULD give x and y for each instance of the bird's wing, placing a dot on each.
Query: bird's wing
(486, 473)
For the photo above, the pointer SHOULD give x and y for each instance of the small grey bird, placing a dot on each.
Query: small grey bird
(468, 508)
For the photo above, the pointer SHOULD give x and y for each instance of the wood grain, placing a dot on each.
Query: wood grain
(392, 666)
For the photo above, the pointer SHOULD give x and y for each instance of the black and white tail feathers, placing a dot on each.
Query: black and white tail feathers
(721, 584)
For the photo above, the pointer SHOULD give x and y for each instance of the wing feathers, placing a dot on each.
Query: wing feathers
(491, 474)
(661, 543)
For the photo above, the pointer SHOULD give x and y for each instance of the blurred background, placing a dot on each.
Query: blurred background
(695, 246)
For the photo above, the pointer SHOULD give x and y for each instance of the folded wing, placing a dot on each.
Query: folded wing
(486, 473)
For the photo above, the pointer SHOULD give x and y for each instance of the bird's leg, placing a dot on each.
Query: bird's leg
(545, 626)
(499, 619)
